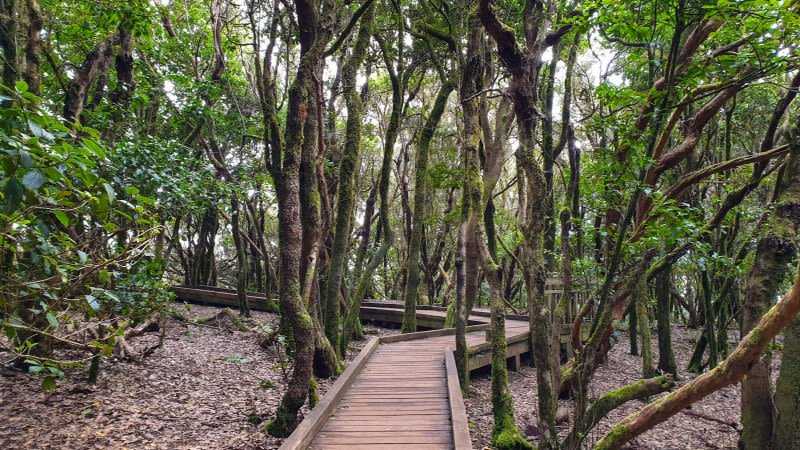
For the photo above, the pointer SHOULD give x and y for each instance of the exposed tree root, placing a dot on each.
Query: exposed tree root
(227, 319)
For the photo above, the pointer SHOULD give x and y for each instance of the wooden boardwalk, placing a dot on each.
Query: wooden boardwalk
(401, 391)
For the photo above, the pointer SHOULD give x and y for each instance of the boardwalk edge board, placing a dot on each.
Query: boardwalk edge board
(305, 432)
(458, 412)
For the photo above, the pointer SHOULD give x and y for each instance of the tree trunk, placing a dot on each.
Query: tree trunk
(731, 370)
(666, 355)
(33, 47)
(348, 167)
(96, 64)
(787, 391)
(644, 328)
(242, 268)
(775, 249)
(8, 31)
(414, 263)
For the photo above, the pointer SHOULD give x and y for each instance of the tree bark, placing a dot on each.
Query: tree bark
(776, 247)
(666, 355)
(414, 263)
(787, 391)
(348, 167)
(33, 48)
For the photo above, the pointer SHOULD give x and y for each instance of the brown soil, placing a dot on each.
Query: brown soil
(683, 431)
(202, 389)
(197, 392)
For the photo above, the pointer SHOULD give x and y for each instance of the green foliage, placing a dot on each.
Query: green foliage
(73, 239)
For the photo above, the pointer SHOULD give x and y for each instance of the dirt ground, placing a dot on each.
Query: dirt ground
(197, 392)
(683, 431)
(208, 384)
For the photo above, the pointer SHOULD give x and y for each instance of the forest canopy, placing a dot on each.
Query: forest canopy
(645, 155)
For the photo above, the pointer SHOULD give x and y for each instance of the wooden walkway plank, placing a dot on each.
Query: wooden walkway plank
(407, 395)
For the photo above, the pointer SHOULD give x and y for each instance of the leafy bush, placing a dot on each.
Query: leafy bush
(75, 245)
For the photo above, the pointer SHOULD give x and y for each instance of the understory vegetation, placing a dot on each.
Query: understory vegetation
(601, 167)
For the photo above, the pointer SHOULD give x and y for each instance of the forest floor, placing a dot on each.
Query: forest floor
(204, 386)
(712, 423)
(197, 392)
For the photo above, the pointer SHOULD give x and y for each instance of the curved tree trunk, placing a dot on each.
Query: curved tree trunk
(733, 369)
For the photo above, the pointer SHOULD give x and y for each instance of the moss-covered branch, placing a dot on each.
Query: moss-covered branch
(613, 400)
(730, 371)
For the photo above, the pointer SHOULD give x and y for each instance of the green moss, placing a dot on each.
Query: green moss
(282, 425)
(611, 440)
(568, 371)
(313, 394)
(510, 439)
(450, 317)
(273, 307)
(304, 320)
(755, 337)
(624, 392)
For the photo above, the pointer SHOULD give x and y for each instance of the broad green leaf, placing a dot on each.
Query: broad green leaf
(110, 191)
(38, 131)
(33, 180)
(51, 319)
(62, 217)
(49, 384)
(13, 195)
(92, 301)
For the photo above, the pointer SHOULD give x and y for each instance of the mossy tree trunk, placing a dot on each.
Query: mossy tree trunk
(644, 328)
(523, 64)
(290, 241)
(709, 320)
(33, 46)
(313, 39)
(352, 327)
(505, 434)
(8, 41)
(776, 247)
(661, 292)
(612, 400)
(414, 262)
(729, 371)
(633, 326)
(787, 391)
(348, 167)
(472, 73)
(242, 268)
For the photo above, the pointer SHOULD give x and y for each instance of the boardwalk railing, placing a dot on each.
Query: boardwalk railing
(458, 412)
